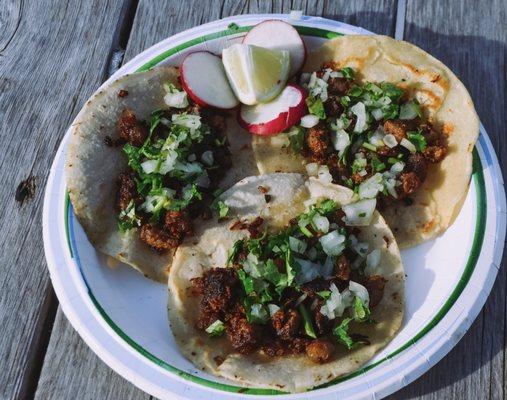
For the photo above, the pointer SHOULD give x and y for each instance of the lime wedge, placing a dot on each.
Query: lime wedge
(256, 74)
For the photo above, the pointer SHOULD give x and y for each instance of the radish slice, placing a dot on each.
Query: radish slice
(276, 34)
(203, 78)
(278, 115)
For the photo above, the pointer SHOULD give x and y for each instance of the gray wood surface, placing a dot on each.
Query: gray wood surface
(52, 57)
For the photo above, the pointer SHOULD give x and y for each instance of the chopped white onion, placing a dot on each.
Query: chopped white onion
(308, 271)
(360, 291)
(150, 166)
(297, 245)
(203, 180)
(333, 243)
(359, 213)
(273, 308)
(341, 140)
(187, 120)
(309, 121)
(337, 302)
(377, 138)
(207, 158)
(324, 175)
(408, 145)
(321, 223)
(377, 114)
(390, 140)
(192, 157)
(312, 169)
(360, 111)
(396, 168)
(371, 187)
(177, 99)
(258, 311)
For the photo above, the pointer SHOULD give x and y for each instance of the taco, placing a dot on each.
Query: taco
(143, 162)
(390, 122)
(296, 287)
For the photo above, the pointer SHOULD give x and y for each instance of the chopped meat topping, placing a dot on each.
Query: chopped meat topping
(410, 182)
(342, 268)
(333, 107)
(320, 350)
(177, 224)
(397, 128)
(323, 323)
(317, 141)
(130, 129)
(244, 337)
(375, 285)
(126, 191)
(255, 227)
(157, 238)
(338, 86)
(435, 154)
(216, 287)
(417, 163)
(286, 324)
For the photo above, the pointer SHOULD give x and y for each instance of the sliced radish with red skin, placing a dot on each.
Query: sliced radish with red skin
(276, 34)
(203, 78)
(281, 113)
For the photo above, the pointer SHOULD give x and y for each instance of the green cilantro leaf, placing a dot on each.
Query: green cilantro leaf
(348, 73)
(222, 209)
(316, 107)
(418, 140)
(307, 321)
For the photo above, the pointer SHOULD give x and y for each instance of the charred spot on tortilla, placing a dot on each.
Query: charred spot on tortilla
(123, 93)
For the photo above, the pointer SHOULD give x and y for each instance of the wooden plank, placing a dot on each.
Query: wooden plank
(62, 376)
(156, 20)
(72, 370)
(471, 40)
(51, 59)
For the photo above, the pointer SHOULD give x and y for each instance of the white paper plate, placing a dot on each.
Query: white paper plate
(122, 316)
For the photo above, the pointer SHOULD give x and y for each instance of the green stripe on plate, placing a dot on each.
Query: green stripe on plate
(480, 227)
(233, 29)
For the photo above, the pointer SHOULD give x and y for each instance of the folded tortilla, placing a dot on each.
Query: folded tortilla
(92, 167)
(445, 102)
(288, 373)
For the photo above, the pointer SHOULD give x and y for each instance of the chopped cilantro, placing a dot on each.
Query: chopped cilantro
(418, 140)
(348, 73)
(222, 209)
(316, 107)
(297, 139)
(361, 312)
(307, 321)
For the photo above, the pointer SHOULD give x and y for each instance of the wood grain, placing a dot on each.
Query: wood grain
(72, 370)
(51, 59)
(471, 40)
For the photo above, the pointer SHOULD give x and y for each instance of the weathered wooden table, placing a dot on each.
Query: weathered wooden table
(54, 54)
